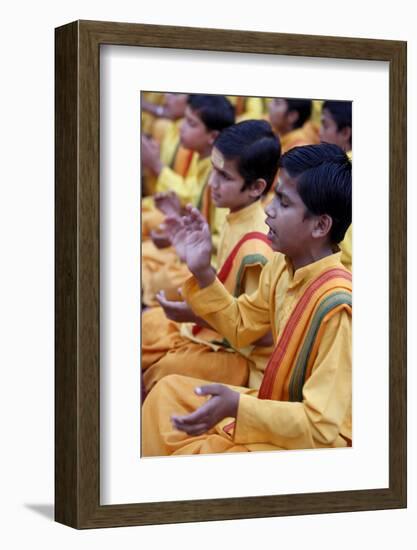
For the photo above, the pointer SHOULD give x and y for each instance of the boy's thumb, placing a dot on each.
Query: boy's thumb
(211, 389)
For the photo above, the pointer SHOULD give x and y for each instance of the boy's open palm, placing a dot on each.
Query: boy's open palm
(190, 235)
(222, 404)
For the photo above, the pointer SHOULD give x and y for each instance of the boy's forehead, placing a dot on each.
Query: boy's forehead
(286, 184)
(217, 159)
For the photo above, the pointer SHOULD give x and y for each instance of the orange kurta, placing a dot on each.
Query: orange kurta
(321, 417)
(169, 347)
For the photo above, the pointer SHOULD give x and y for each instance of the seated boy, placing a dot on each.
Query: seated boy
(245, 161)
(336, 127)
(163, 146)
(205, 117)
(290, 119)
(336, 124)
(305, 397)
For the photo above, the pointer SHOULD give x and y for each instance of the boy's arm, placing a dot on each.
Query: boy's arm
(317, 421)
(241, 320)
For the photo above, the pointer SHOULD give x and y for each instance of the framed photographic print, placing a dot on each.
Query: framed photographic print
(105, 74)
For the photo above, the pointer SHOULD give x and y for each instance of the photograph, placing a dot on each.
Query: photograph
(204, 266)
(246, 284)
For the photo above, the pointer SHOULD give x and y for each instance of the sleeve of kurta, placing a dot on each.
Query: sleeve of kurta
(242, 320)
(185, 188)
(317, 420)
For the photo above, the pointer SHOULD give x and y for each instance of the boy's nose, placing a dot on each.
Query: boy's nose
(269, 211)
(212, 181)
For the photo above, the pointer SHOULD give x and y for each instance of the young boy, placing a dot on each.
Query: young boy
(336, 124)
(245, 161)
(336, 127)
(164, 146)
(305, 397)
(205, 117)
(290, 119)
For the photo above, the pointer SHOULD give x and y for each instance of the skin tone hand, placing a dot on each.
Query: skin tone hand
(223, 403)
(160, 238)
(176, 232)
(265, 341)
(198, 247)
(151, 155)
(168, 203)
(179, 312)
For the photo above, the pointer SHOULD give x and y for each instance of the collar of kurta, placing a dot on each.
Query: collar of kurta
(310, 271)
(245, 214)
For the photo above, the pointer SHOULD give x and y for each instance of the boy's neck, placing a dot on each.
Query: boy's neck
(205, 153)
(311, 257)
(232, 211)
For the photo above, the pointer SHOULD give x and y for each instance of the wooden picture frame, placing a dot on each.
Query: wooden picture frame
(77, 358)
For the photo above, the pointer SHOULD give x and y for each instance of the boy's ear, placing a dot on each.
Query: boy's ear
(257, 188)
(322, 226)
(213, 136)
(292, 117)
(346, 134)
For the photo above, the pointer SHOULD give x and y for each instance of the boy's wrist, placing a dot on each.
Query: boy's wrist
(205, 277)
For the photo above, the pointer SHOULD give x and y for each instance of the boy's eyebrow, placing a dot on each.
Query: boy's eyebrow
(221, 170)
(281, 195)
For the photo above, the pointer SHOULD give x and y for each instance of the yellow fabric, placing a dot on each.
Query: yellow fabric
(346, 245)
(306, 135)
(147, 118)
(161, 268)
(346, 248)
(316, 110)
(188, 187)
(175, 394)
(169, 347)
(170, 149)
(247, 108)
(323, 419)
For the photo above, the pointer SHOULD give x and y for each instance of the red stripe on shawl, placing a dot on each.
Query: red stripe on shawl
(281, 347)
(223, 273)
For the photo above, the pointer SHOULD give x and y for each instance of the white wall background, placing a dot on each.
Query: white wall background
(26, 275)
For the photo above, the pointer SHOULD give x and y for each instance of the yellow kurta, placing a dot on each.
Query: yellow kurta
(169, 347)
(177, 159)
(248, 108)
(306, 135)
(322, 419)
(346, 248)
(161, 268)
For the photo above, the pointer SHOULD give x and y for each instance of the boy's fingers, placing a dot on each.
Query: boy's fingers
(160, 296)
(191, 430)
(209, 389)
(195, 417)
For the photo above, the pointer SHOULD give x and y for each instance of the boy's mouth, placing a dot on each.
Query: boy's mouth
(270, 228)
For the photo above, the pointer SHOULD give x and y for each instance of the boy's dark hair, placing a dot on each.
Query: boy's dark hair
(215, 111)
(324, 183)
(341, 112)
(303, 108)
(255, 147)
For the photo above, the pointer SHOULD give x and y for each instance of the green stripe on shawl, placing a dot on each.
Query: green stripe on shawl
(298, 376)
(248, 260)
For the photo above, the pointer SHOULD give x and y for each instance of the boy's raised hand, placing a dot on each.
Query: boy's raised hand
(176, 311)
(190, 235)
(168, 203)
(159, 238)
(222, 404)
(176, 232)
(150, 154)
